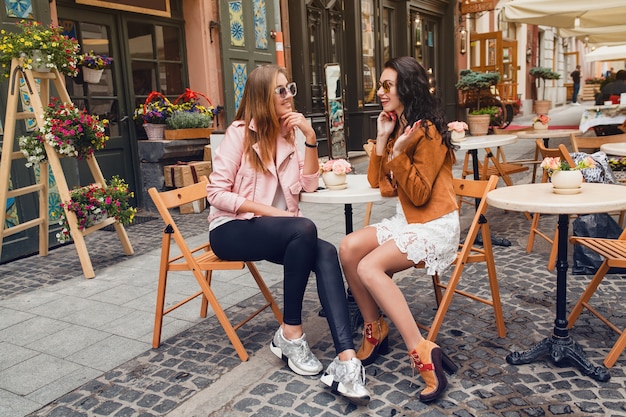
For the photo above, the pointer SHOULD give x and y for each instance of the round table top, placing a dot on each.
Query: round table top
(485, 141)
(618, 148)
(357, 191)
(540, 198)
(548, 133)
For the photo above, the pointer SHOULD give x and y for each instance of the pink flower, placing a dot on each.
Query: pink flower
(553, 164)
(541, 118)
(338, 166)
(457, 126)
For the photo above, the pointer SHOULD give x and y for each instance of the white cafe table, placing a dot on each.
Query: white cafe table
(618, 148)
(357, 191)
(540, 198)
(472, 143)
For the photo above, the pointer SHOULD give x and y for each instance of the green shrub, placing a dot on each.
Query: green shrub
(189, 120)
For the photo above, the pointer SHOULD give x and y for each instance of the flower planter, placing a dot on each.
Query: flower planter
(566, 182)
(155, 131)
(478, 124)
(91, 75)
(457, 136)
(200, 132)
(40, 61)
(334, 181)
(542, 106)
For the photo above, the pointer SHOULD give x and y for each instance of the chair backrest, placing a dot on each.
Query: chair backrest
(369, 146)
(560, 152)
(591, 144)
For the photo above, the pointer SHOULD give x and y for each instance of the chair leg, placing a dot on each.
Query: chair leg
(265, 291)
(533, 231)
(616, 351)
(161, 287)
(553, 250)
(535, 165)
(589, 291)
(204, 305)
(368, 214)
(493, 280)
(437, 287)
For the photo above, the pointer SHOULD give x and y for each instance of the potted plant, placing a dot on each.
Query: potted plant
(479, 99)
(334, 173)
(92, 204)
(189, 118)
(93, 66)
(154, 113)
(541, 73)
(41, 47)
(69, 130)
(565, 178)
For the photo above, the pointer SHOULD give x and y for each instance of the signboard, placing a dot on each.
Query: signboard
(153, 7)
(475, 6)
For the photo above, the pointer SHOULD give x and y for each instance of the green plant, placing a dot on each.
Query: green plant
(494, 112)
(92, 204)
(94, 61)
(181, 119)
(69, 130)
(476, 87)
(54, 48)
(154, 111)
(542, 73)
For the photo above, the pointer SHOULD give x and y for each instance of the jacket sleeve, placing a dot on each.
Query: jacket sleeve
(417, 170)
(373, 169)
(226, 169)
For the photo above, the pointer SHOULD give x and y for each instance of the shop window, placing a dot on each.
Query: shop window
(368, 30)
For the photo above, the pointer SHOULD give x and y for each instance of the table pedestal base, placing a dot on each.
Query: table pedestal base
(560, 349)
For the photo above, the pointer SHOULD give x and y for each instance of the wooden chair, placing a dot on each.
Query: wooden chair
(591, 144)
(493, 164)
(614, 253)
(469, 253)
(563, 153)
(201, 262)
(534, 161)
(368, 148)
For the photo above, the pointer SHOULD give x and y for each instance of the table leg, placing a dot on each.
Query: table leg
(560, 346)
(348, 216)
(479, 238)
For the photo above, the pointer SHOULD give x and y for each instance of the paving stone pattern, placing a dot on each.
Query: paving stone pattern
(197, 360)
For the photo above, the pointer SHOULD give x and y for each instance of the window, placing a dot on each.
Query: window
(368, 30)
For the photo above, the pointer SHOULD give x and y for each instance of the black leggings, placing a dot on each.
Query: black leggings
(293, 243)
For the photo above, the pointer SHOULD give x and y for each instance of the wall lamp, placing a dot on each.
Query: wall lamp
(463, 41)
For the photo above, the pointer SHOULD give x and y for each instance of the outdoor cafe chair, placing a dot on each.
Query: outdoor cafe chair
(469, 253)
(563, 153)
(591, 144)
(201, 262)
(614, 253)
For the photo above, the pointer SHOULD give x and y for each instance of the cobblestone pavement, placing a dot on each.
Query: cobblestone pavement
(197, 372)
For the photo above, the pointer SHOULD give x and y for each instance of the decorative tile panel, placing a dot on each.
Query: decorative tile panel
(260, 24)
(19, 8)
(235, 15)
(240, 75)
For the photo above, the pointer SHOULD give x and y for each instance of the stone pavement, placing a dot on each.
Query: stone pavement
(76, 347)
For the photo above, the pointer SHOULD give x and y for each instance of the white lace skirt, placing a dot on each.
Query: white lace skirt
(435, 242)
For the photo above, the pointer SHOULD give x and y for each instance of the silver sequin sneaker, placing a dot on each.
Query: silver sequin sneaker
(347, 378)
(296, 353)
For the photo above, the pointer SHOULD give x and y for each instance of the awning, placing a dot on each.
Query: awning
(607, 53)
(569, 14)
(608, 35)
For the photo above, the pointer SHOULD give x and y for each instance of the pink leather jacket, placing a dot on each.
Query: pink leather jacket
(234, 180)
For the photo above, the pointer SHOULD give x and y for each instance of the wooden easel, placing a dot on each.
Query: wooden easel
(9, 154)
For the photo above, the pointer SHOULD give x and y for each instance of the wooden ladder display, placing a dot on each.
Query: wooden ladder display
(9, 154)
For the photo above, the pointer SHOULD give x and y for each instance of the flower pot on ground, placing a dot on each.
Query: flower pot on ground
(542, 106)
(477, 96)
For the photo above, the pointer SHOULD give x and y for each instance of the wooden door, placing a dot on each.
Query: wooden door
(245, 43)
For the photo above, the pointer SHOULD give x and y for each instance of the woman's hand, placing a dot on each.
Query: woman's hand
(294, 119)
(385, 124)
(403, 141)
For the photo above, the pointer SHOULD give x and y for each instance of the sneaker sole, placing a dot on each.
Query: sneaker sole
(339, 389)
(279, 353)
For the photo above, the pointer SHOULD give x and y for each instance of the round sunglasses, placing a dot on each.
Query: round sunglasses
(289, 88)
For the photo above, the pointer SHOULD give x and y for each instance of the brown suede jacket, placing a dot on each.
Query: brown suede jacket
(423, 176)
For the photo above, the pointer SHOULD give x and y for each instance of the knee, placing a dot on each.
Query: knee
(326, 250)
(305, 229)
(347, 247)
(368, 272)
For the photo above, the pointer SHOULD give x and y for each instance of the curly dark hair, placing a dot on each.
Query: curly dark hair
(419, 102)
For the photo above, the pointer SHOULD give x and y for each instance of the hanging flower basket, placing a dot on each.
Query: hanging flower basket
(91, 75)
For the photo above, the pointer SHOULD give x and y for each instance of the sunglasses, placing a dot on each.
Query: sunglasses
(386, 85)
(290, 88)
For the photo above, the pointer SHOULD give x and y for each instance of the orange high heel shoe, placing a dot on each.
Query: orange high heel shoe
(374, 341)
(430, 361)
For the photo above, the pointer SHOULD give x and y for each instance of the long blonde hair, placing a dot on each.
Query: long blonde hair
(257, 103)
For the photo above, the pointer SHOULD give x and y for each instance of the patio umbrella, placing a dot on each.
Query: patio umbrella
(607, 53)
(569, 14)
(608, 35)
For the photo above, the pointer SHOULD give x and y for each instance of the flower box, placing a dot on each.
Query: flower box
(194, 133)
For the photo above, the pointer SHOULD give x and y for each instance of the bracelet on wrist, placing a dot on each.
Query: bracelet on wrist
(309, 145)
